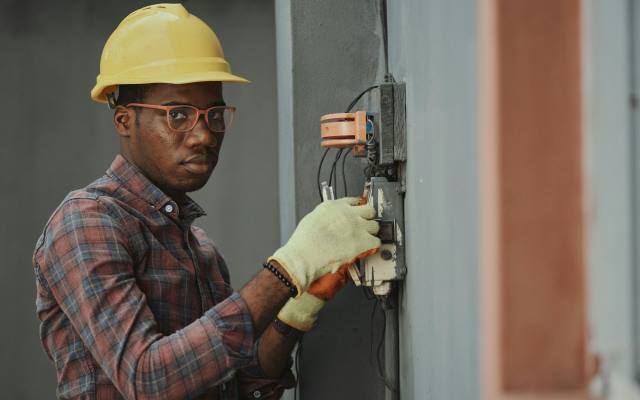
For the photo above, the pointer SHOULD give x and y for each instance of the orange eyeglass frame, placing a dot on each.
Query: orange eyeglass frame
(199, 112)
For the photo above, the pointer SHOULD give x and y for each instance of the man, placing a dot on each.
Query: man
(134, 299)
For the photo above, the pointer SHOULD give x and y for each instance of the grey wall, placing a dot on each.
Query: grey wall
(609, 177)
(433, 47)
(56, 139)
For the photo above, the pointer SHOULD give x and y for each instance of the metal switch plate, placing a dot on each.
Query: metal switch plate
(387, 233)
(388, 264)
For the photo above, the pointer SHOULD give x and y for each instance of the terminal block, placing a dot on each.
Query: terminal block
(388, 264)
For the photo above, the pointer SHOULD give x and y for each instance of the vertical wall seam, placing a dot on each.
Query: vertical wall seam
(489, 189)
(286, 156)
(633, 105)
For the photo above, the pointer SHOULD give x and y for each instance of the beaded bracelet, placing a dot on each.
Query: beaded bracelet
(282, 278)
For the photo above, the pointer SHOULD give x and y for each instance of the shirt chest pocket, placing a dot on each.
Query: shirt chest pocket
(171, 295)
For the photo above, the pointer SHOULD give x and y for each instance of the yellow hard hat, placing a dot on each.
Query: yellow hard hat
(161, 43)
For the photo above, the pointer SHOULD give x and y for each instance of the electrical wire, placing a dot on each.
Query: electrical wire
(349, 108)
(388, 77)
(334, 169)
(372, 318)
(380, 344)
(353, 103)
(385, 40)
(320, 170)
(332, 174)
(344, 178)
(368, 293)
(297, 357)
(380, 369)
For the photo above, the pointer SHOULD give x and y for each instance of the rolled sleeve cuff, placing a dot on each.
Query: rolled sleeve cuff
(232, 321)
(253, 381)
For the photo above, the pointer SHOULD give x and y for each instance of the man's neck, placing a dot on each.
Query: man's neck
(178, 197)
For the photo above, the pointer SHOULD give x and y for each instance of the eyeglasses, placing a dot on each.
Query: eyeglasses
(183, 118)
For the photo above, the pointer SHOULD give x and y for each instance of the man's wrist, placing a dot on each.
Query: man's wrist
(285, 329)
(281, 269)
(281, 274)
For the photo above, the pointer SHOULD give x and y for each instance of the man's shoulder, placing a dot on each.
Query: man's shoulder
(72, 212)
(102, 188)
(202, 237)
(89, 200)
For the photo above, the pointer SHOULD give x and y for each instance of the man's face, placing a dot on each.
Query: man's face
(176, 162)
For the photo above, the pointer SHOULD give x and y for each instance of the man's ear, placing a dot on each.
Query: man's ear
(124, 120)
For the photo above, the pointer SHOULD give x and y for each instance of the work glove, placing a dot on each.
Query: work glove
(335, 233)
(302, 312)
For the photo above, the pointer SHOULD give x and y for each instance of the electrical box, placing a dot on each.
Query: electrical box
(379, 135)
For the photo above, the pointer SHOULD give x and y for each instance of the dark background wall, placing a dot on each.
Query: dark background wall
(328, 52)
(56, 139)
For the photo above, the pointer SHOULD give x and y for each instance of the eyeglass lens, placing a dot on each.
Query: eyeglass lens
(184, 118)
(219, 119)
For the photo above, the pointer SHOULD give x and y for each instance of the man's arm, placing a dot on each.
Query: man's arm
(265, 295)
(270, 373)
(298, 315)
(334, 234)
(274, 350)
(90, 272)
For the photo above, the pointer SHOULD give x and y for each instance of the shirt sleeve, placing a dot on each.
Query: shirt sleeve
(253, 383)
(90, 273)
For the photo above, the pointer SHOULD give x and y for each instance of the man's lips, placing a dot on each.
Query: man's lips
(199, 159)
(199, 163)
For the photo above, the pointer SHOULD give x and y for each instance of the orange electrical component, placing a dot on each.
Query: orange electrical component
(344, 130)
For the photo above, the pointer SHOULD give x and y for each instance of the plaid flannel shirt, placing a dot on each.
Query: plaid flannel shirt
(135, 303)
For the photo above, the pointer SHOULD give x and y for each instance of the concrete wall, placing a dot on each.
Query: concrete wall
(56, 139)
(610, 152)
(433, 48)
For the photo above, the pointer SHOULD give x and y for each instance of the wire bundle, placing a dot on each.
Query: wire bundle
(340, 153)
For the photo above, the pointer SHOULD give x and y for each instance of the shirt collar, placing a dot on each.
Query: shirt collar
(134, 180)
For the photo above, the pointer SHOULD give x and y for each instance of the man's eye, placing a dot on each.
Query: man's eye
(177, 115)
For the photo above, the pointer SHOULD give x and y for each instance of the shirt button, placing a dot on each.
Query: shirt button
(256, 394)
(168, 208)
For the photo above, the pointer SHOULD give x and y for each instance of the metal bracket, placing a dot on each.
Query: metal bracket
(387, 104)
(388, 264)
(386, 187)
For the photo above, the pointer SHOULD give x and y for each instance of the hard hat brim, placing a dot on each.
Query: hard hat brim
(106, 86)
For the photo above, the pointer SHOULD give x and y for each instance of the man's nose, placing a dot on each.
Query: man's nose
(201, 135)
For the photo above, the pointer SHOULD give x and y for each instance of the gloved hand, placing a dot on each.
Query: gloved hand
(302, 312)
(335, 233)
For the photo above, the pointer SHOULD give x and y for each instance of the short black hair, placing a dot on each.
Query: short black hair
(132, 93)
